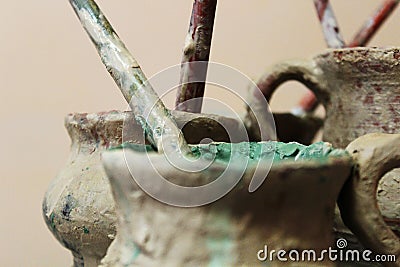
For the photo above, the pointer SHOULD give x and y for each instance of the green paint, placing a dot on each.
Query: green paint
(52, 223)
(129, 254)
(136, 253)
(221, 250)
(221, 238)
(280, 152)
(135, 147)
(288, 150)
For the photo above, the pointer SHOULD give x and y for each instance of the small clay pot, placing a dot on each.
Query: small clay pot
(375, 155)
(78, 206)
(292, 209)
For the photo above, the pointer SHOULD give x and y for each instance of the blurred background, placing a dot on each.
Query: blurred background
(49, 68)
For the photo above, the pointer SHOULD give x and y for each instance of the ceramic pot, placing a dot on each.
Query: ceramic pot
(292, 210)
(78, 206)
(360, 90)
(375, 155)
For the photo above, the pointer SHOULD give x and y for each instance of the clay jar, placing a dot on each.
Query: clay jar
(78, 206)
(375, 155)
(293, 209)
(359, 88)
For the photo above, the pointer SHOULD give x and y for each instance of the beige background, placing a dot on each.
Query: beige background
(49, 68)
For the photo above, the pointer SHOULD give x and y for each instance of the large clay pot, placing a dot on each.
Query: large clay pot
(293, 208)
(78, 206)
(360, 90)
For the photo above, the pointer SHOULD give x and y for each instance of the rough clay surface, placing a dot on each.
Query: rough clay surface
(293, 209)
(361, 93)
(375, 154)
(389, 198)
(361, 96)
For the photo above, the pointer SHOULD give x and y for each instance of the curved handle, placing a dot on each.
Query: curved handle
(375, 155)
(304, 71)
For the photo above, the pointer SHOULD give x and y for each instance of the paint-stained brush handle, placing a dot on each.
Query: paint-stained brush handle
(158, 124)
(197, 48)
(373, 24)
(329, 24)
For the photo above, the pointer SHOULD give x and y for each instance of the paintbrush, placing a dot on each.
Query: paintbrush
(333, 39)
(158, 124)
(197, 48)
(329, 24)
(373, 24)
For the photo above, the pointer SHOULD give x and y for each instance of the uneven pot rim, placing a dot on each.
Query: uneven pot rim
(100, 126)
(126, 157)
(83, 119)
(390, 54)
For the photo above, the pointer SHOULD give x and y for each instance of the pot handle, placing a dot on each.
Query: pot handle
(304, 71)
(374, 155)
